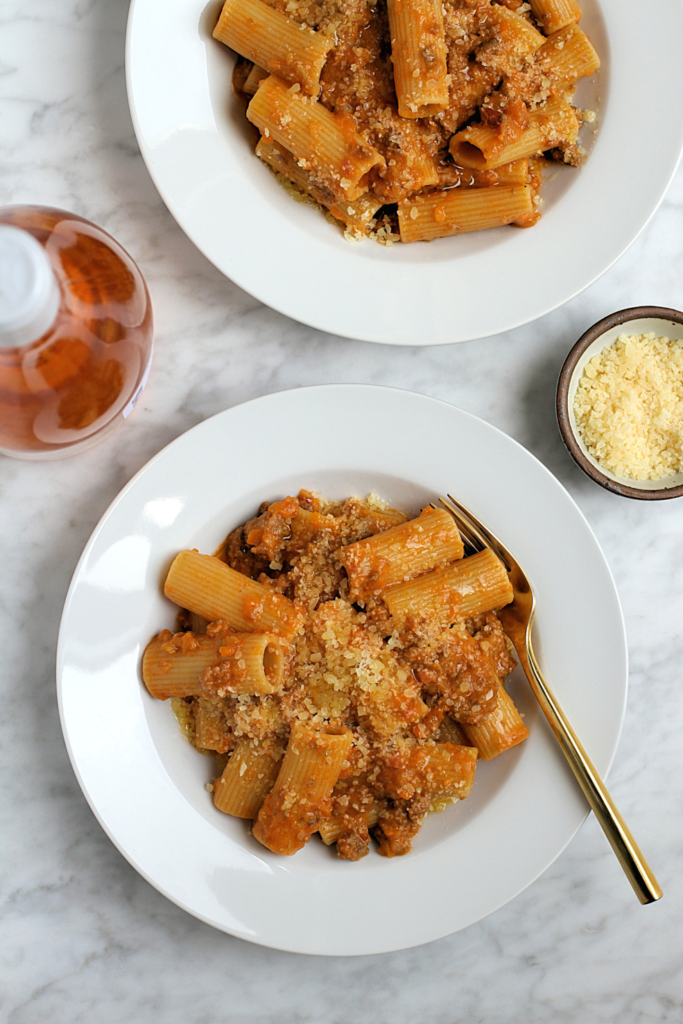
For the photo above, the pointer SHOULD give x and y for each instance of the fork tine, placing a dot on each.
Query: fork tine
(476, 536)
(486, 538)
(471, 545)
(470, 540)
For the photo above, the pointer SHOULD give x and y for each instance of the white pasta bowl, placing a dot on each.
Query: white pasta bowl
(147, 786)
(658, 320)
(196, 142)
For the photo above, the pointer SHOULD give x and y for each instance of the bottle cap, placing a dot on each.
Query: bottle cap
(29, 293)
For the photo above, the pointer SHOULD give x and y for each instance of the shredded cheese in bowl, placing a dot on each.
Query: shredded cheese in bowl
(629, 407)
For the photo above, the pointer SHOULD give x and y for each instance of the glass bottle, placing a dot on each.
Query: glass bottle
(76, 333)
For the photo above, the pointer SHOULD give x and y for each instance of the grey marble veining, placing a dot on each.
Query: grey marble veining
(83, 939)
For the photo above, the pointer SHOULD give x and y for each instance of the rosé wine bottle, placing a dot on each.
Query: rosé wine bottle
(76, 333)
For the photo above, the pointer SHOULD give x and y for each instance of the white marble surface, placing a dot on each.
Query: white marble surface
(82, 937)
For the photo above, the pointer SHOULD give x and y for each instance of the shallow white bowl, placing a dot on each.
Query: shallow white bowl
(195, 141)
(146, 785)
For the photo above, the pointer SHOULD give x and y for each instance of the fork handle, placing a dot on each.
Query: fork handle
(635, 866)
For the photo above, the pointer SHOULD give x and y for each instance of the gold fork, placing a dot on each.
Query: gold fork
(516, 619)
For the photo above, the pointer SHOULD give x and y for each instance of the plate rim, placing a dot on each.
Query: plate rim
(74, 583)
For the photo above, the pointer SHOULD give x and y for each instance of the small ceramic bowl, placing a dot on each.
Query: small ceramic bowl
(639, 320)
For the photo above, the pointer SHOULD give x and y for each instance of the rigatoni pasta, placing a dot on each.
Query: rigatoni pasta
(419, 56)
(247, 779)
(323, 143)
(172, 665)
(498, 731)
(219, 662)
(514, 173)
(332, 828)
(515, 34)
(253, 79)
(394, 106)
(211, 729)
(357, 214)
(252, 663)
(210, 588)
(486, 148)
(274, 42)
(467, 588)
(300, 798)
(567, 56)
(434, 769)
(555, 14)
(401, 553)
(354, 680)
(435, 215)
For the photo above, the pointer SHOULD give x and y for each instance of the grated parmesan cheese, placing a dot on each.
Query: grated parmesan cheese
(629, 407)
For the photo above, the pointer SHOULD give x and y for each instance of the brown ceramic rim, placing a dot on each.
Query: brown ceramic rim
(613, 320)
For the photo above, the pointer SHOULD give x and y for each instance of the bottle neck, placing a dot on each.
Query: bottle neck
(29, 292)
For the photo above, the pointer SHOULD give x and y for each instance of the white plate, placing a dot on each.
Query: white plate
(146, 785)
(194, 139)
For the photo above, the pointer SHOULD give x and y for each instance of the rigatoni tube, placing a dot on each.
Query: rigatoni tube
(357, 214)
(253, 80)
(172, 664)
(483, 147)
(323, 143)
(470, 587)
(431, 770)
(331, 828)
(457, 211)
(247, 779)
(205, 585)
(418, 52)
(250, 663)
(401, 553)
(566, 56)
(211, 729)
(300, 798)
(498, 731)
(514, 173)
(514, 36)
(275, 42)
(555, 14)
